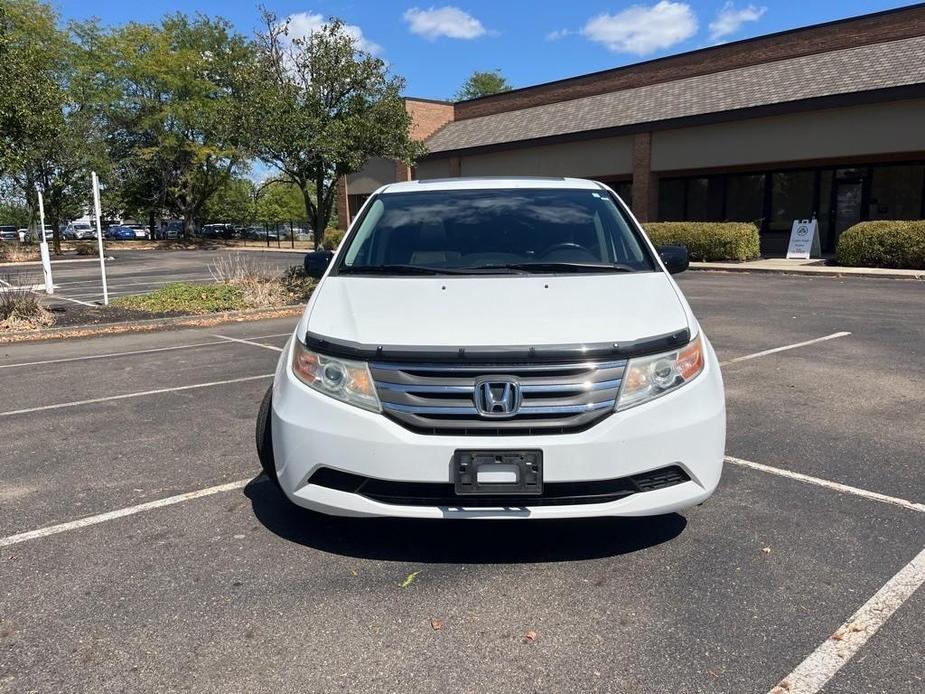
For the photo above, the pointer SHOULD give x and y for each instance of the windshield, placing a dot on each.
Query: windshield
(517, 231)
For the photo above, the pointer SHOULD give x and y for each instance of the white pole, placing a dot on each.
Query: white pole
(43, 247)
(99, 236)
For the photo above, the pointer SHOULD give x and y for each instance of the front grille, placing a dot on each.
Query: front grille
(556, 398)
(444, 493)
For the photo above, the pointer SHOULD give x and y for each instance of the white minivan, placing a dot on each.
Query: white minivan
(495, 348)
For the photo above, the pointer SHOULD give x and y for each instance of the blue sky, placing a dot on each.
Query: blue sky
(435, 46)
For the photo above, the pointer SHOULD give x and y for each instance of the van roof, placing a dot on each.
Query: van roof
(489, 183)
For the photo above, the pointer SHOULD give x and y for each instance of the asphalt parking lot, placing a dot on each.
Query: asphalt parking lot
(140, 550)
(136, 272)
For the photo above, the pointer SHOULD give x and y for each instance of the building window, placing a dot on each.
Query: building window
(745, 198)
(671, 200)
(625, 190)
(896, 192)
(793, 196)
(354, 203)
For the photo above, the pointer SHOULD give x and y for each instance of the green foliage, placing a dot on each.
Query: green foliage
(481, 83)
(232, 202)
(896, 244)
(708, 240)
(187, 298)
(14, 213)
(332, 239)
(279, 200)
(168, 104)
(318, 107)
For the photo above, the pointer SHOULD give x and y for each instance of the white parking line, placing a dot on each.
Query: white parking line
(820, 666)
(784, 348)
(121, 513)
(249, 342)
(837, 486)
(126, 396)
(133, 352)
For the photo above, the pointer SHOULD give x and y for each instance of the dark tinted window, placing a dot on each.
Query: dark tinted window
(474, 228)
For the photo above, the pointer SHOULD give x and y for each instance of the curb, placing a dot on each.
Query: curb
(55, 262)
(151, 324)
(822, 271)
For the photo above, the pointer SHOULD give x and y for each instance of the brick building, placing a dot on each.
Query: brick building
(827, 120)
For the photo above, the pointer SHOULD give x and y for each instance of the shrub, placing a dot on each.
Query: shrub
(899, 244)
(184, 297)
(85, 248)
(332, 239)
(21, 308)
(297, 285)
(17, 253)
(708, 240)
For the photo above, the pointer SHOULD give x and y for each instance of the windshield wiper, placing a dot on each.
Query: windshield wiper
(402, 270)
(558, 267)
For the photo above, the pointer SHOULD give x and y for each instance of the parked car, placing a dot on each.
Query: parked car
(260, 233)
(217, 231)
(495, 348)
(120, 233)
(79, 231)
(139, 230)
(171, 230)
(8, 232)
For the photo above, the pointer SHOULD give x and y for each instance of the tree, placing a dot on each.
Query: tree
(48, 137)
(232, 202)
(170, 109)
(279, 200)
(318, 108)
(482, 84)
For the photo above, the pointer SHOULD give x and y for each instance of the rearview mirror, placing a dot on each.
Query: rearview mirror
(675, 258)
(316, 262)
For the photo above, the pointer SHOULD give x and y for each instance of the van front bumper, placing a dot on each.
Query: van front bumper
(685, 428)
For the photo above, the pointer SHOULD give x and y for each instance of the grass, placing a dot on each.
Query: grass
(241, 283)
(16, 253)
(186, 298)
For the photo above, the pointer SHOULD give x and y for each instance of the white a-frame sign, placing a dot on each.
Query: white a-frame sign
(804, 239)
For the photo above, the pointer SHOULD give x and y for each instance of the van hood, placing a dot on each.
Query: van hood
(479, 311)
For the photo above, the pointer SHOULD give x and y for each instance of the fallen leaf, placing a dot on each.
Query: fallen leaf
(713, 674)
(436, 624)
(530, 636)
(354, 572)
(409, 579)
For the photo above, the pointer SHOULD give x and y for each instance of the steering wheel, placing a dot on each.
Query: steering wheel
(565, 245)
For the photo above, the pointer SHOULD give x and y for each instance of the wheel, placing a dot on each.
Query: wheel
(264, 436)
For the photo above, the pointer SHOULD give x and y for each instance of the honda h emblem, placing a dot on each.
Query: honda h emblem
(497, 396)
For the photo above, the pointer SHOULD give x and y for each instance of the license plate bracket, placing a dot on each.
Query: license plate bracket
(498, 472)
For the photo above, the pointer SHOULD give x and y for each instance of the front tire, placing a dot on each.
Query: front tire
(264, 436)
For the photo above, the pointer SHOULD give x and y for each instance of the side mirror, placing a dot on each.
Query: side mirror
(675, 258)
(317, 262)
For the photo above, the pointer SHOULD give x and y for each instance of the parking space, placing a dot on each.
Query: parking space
(137, 272)
(111, 580)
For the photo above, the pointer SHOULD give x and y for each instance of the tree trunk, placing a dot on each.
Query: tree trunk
(187, 225)
(55, 233)
(151, 222)
(314, 217)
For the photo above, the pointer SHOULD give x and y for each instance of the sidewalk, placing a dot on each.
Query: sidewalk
(809, 267)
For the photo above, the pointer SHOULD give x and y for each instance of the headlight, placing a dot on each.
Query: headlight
(647, 378)
(345, 380)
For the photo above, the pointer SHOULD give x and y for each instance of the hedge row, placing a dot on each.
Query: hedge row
(708, 240)
(897, 244)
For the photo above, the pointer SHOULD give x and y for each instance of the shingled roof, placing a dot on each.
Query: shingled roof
(852, 70)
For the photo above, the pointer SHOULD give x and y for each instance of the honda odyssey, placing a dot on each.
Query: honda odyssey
(495, 348)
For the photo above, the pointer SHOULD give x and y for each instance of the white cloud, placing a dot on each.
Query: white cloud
(447, 21)
(558, 34)
(643, 29)
(729, 20)
(303, 24)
